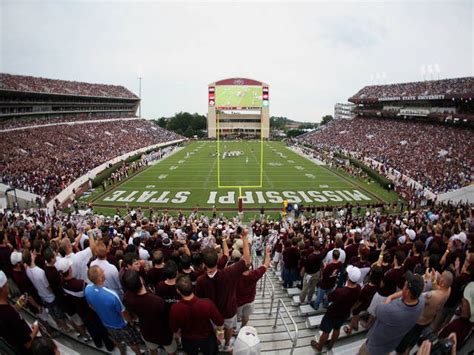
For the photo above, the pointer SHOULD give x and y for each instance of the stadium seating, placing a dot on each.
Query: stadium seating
(32, 121)
(448, 87)
(45, 160)
(439, 157)
(52, 86)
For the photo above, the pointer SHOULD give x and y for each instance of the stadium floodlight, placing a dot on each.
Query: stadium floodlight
(437, 69)
(430, 70)
(384, 76)
(423, 72)
(140, 96)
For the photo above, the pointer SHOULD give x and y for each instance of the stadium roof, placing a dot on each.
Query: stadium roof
(462, 88)
(31, 84)
(239, 81)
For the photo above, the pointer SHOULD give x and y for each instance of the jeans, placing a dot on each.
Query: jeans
(322, 296)
(288, 276)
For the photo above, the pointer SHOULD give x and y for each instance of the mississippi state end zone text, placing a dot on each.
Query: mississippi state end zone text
(231, 197)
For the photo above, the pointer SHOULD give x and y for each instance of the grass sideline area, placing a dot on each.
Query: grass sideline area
(189, 179)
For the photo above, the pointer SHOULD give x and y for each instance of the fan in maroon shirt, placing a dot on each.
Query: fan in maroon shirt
(365, 297)
(167, 289)
(193, 316)
(342, 299)
(155, 275)
(220, 285)
(247, 288)
(14, 330)
(152, 313)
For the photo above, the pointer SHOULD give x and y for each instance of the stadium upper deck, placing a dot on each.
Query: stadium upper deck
(27, 96)
(447, 89)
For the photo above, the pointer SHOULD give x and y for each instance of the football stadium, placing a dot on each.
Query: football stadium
(253, 228)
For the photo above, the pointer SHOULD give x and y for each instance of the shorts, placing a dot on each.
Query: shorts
(230, 322)
(171, 348)
(128, 335)
(54, 310)
(76, 319)
(376, 300)
(245, 309)
(329, 323)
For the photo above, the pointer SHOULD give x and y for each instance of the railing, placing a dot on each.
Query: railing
(294, 338)
(269, 287)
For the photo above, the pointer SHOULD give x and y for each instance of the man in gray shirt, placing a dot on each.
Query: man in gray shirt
(395, 318)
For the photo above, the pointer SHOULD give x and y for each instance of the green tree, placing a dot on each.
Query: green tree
(162, 122)
(294, 132)
(326, 119)
(189, 132)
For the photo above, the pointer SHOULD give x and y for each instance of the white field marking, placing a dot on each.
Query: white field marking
(180, 161)
(290, 161)
(162, 176)
(311, 176)
(275, 164)
(323, 185)
(152, 186)
(297, 167)
(173, 167)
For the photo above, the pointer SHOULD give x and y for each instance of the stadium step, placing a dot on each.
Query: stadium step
(307, 310)
(314, 321)
(293, 291)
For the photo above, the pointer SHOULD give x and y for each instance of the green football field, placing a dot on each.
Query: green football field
(190, 178)
(238, 96)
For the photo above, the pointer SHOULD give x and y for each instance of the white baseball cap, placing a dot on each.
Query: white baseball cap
(3, 278)
(63, 265)
(16, 257)
(402, 239)
(353, 273)
(411, 233)
(461, 237)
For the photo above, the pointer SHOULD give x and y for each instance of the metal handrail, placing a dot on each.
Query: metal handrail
(293, 339)
(271, 289)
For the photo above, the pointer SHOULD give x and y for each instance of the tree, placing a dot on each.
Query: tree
(188, 132)
(326, 119)
(294, 132)
(162, 122)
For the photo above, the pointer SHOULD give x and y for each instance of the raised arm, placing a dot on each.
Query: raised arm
(246, 257)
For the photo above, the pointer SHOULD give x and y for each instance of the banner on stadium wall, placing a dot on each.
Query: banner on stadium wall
(411, 98)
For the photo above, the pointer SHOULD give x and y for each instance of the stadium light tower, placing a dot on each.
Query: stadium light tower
(437, 69)
(140, 96)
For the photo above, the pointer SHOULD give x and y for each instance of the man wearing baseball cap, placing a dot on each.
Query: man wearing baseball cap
(13, 328)
(342, 299)
(395, 317)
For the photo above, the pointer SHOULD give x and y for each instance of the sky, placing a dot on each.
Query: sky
(312, 54)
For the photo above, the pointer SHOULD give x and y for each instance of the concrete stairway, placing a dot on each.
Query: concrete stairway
(277, 341)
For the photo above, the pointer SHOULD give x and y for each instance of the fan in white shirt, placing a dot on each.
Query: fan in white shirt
(112, 278)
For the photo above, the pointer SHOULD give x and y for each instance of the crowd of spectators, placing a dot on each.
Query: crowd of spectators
(458, 86)
(26, 122)
(158, 280)
(47, 159)
(53, 86)
(439, 157)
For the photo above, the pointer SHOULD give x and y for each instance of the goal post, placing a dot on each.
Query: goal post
(220, 183)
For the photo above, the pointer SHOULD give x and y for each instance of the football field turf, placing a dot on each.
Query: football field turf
(189, 178)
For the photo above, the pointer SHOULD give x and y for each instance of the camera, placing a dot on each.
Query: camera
(438, 346)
